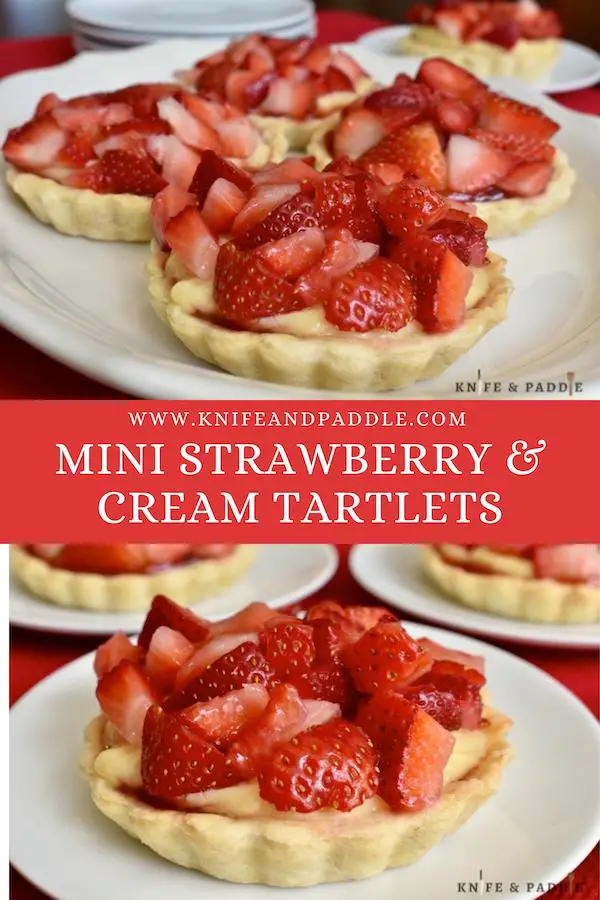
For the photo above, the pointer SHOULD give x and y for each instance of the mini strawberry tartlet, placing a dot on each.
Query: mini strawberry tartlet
(540, 583)
(124, 577)
(91, 165)
(289, 86)
(329, 280)
(266, 749)
(473, 145)
(491, 39)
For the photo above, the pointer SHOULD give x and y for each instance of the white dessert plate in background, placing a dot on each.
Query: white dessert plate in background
(85, 302)
(281, 574)
(541, 824)
(577, 66)
(393, 573)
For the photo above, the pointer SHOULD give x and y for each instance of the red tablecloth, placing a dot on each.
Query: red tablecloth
(25, 373)
(33, 656)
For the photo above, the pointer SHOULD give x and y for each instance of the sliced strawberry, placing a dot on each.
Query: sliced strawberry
(346, 63)
(46, 104)
(239, 138)
(125, 695)
(165, 612)
(223, 718)
(377, 294)
(345, 202)
(452, 23)
(384, 656)
(341, 255)
(295, 214)
(317, 59)
(289, 648)
(167, 652)
(208, 652)
(438, 653)
(455, 116)
(246, 288)
(388, 173)
(190, 131)
(446, 78)
(327, 682)
(248, 89)
(176, 759)
(291, 256)
(246, 664)
(78, 150)
(441, 705)
(165, 206)
(440, 280)
(504, 34)
(212, 167)
(473, 166)
(465, 238)
(35, 145)
(113, 651)
(545, 24)
(223, 202)
(337, 80)
(461, 684)
(212, 80)
(287, 99)
(284, 717)
(79, 119)
(411, 206)
(144, 98)
(359, 130)
(190, 238)
(250, 618)
(290, 170)
(519, 146)
(261, 201)
(120, 172)
(211, 112)
(568, 562)
(332, 766)
(451, 667)
(503, 114)
(400, 96)
(178, 162)
(417, 150)
(527, 180)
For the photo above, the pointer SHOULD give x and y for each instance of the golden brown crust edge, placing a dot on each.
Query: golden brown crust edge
(533, 600)
(326, 363)
(186, 584)
(289, 853)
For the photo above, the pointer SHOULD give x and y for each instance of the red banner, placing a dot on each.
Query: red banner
(509, 471)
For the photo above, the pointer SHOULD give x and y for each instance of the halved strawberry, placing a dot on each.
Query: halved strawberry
(223, 202)
(446, 78)
(297, 213)
(441, 705)
(385, 656)
(223, 718)
(167, 652)
(289, 648)
(455, 116)
(527, 180)
(120, 172)
(113, 651)
(437, 653)
(176, 758)
(189, 237)
(287, 99)
(212, 167)
(359, 130)
(291, 256)
(519, 146)
(341, 255)
(417, 150)
(262, 199)
(503, 114)
(345, 202)
(406, 96)
(206, 654)
(125, 695)
(246, 288)
(440, 280)
(166, 612)
(411, 206)
(377, 294)
(462, 684)
(327, 682)
(35, 145)
(464, 237)
(473, 166)
(245, 664)
(336, 626)
(332, 766)
(568, 562)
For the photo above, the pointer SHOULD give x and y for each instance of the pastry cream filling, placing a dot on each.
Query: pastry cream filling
(195, 296)
(120, 766)
(429, 37)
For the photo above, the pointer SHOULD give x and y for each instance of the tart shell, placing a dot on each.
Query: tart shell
(528, 60)
(187, 583)
(513, 597)
(285, 850)
(326, 363)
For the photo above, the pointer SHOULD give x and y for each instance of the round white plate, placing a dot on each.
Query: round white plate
(393, 573)
(542, 823)
(577, 66)
(106, 328)
(281, 574)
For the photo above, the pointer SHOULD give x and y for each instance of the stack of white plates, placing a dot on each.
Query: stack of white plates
(115, 24)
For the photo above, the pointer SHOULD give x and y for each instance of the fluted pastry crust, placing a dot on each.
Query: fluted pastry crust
(186, 583)
(292, 850)
(513, 596)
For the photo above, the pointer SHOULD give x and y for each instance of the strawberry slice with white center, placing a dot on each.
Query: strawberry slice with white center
(165, 206)
(568, 562)
(165, 612)
(411, 206)
(113, 651)
(439, 653)
(335, 80)
(348, 65)
(417, 150)
(317, 59)
(167, 652)
(119, 172)
(377, 294)
(251, 618)
(523, 148)
(208, 111)
(46, 104)
(450, 80)
(358, 131)
(208, 653)
(247, 89)
(261, 201)
(125, 695)
(455, 116)
(74, 119)
(527, 180)
(190, 238)
(287, 99)
(238, 138)
(341, 255)
(473, 166)
(36, 145)
(290, 170)
(223, 202)
(291, 256)
(190, 131)
(505, 115)
(247, 289)
(388, 173)
(210, 168)
(178, 162)
(296, 214)
(464, 235)
(223, 718)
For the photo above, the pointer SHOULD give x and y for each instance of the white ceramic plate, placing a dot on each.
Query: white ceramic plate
(577, 66)
(542, 823)
(281, 574)
(51, 296)
(393, 573)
